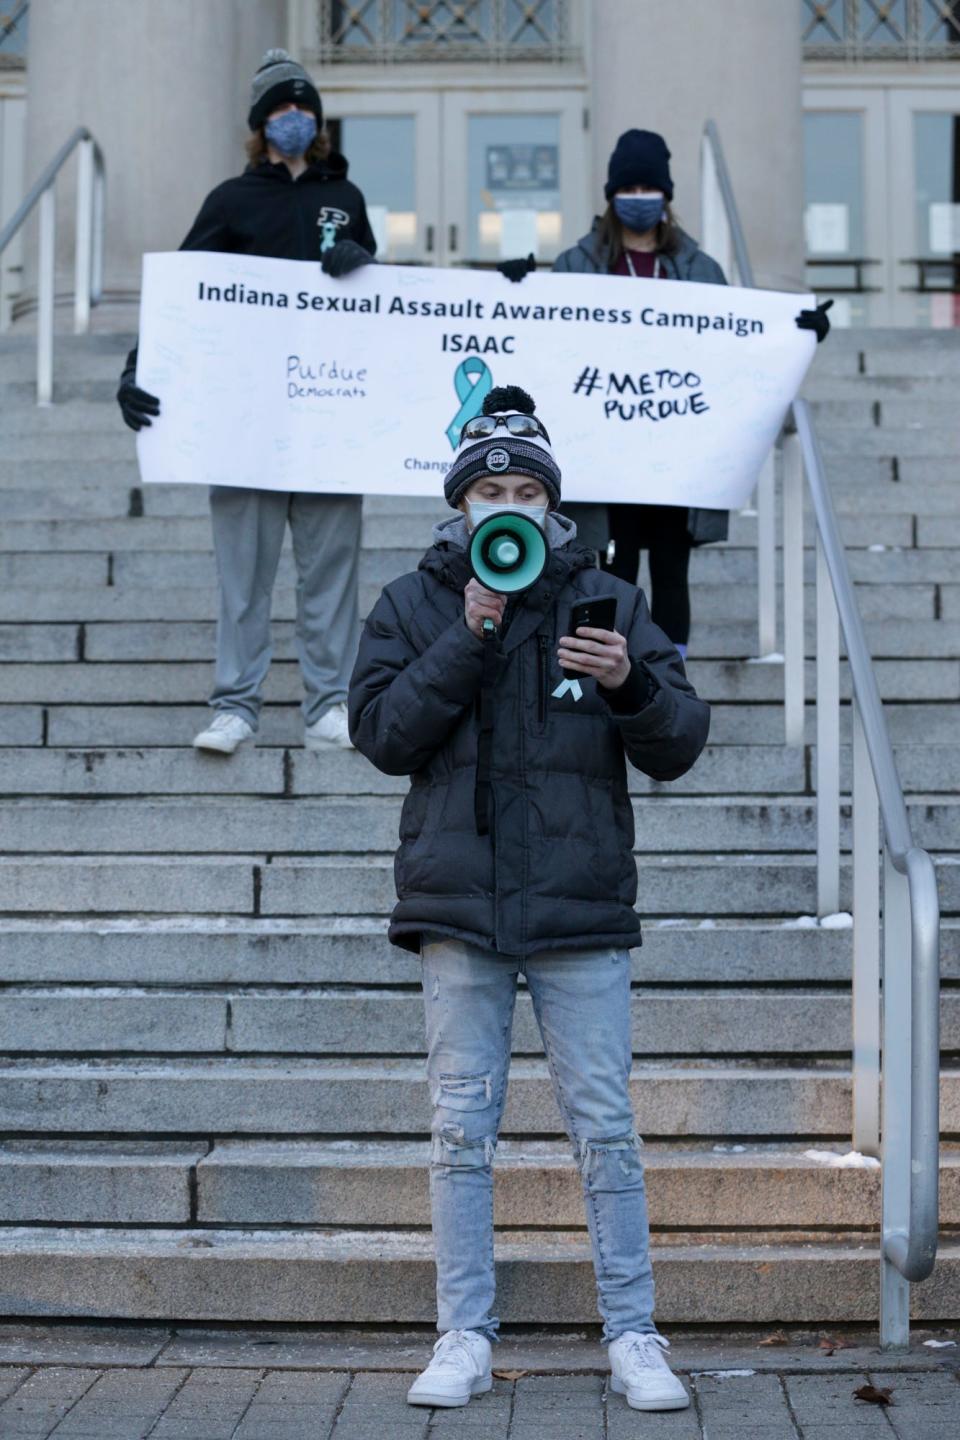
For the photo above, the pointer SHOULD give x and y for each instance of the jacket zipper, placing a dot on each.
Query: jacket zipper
(542, 678)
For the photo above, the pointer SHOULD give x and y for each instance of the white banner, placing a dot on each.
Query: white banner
(273, 376)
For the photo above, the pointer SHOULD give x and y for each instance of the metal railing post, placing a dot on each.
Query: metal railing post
(828, 742)
(98, 224)
(767, 556)
(896, 1048)
(83, 258)
(88, 261)
(793, 626)
(866, 948)
(714, 225)
(46, 282)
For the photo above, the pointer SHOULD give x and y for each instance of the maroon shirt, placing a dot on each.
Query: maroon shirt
(643, 264)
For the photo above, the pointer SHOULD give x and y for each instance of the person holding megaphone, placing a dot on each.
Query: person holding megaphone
(514, 722)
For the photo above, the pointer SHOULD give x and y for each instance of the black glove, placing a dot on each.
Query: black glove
(136, 405)
(816, 320)
(515, 270)
(344, 256)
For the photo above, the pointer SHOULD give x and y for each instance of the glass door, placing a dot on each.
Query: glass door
(514, 171)
(925, 158)
(391, 140)
(846, 222)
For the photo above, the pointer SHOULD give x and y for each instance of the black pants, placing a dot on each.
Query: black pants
(661, 529)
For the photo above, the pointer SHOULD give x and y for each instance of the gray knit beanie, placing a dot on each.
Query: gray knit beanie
(280, 78)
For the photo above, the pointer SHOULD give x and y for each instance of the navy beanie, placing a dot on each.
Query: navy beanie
(640, 157)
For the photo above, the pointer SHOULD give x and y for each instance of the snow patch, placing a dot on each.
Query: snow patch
(853, 1160)
(707, 925)
(722, 1374)
(729, 1149)
(842, 920)
(941, 1344)
(774, 658)
(876, 549)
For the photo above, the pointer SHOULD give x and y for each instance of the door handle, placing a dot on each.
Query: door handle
(428, 239)
(452, 239)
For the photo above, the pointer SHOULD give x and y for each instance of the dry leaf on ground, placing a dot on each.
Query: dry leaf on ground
(829, 1343)
(874, 1394)
(776, 1338)
(509, 1374)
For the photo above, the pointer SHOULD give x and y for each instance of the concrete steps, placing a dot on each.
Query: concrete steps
(387, 1276)
(226, 1096)
(230, 951)
(165, 640)
(213, 1058)
(84, 597)
(707, 885)
(79, 682)
(96, 726)
(358, 826)
(337, 1020)
(379, 1183)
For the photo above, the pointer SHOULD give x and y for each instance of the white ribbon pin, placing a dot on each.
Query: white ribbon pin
(573, 686)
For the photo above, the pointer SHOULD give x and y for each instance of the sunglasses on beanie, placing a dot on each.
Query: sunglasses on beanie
(483, 426)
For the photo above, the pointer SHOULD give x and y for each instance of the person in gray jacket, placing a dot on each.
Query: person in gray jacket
(638, 235)
(516, 856)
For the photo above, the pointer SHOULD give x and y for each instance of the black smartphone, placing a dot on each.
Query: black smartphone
(599, 613)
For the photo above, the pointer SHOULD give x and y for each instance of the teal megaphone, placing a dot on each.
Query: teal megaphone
(508, 552)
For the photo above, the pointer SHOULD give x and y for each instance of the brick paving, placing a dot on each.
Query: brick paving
(130, 1383)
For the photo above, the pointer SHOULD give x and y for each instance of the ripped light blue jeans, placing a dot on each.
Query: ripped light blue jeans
(581, 999)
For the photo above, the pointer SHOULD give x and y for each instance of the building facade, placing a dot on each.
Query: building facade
(480, 129)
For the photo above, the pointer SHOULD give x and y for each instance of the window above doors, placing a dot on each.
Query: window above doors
(859, 30)
(404, 31)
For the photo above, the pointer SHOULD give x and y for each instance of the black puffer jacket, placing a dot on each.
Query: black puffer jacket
(558, 870)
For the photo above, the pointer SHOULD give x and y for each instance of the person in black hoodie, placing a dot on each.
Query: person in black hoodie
(293, 202)
(516, 856)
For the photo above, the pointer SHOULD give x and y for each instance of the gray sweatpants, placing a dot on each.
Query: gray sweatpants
(248, 531)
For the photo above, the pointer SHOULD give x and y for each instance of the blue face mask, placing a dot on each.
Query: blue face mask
(639, 213)
(292, 132)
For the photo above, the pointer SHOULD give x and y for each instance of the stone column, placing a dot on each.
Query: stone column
(164, 86)
(669, 65)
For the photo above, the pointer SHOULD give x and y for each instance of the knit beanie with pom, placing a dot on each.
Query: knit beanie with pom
(502, 453)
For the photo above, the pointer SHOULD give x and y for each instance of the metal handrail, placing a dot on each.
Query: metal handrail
(88, 260)
(908, 1139)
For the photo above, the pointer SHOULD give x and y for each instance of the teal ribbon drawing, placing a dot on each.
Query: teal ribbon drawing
(328, 236)
(574, 687)
(473, 382)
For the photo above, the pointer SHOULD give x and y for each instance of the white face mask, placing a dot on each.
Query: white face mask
(477, 512)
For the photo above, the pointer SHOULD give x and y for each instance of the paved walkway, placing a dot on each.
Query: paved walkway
(133, 1383)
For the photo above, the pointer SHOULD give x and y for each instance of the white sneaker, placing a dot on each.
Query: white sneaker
(224, 733)
(460, 1368)
(639, 1370)
(330, 729)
